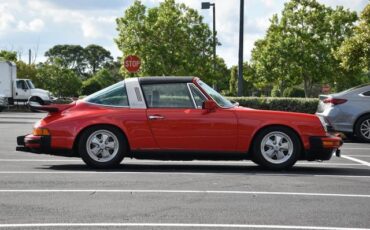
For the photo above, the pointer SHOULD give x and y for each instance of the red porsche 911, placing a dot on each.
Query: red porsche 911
(175, 118)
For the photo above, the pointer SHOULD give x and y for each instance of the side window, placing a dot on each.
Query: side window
(170, 95)
(366, 94)
(198, 96)
(21, 85)
(114, 95)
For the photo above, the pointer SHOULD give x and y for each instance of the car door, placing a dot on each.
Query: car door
(22, 92)
(178, 122)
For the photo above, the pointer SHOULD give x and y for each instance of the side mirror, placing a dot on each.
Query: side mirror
(209, 105)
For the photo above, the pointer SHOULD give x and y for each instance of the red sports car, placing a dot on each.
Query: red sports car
(175, 118)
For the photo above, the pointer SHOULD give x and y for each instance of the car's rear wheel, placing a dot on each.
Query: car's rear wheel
(102, 146)
(362, 128)
(276, 147)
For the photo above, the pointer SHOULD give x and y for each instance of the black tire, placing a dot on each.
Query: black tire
(89, 160)
(259, 158)
(361, 123)
(351, 137)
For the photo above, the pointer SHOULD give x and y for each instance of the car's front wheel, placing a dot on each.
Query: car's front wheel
(276, 147)
(102, 146)
(362, 128)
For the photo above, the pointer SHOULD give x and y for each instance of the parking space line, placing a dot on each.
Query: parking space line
(355, 148)
(177, 162)
(356, 160)
(358, 155)
(172, 225)
(185, 173)
(181, 191)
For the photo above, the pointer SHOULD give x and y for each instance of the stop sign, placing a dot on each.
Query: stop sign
(132, 63)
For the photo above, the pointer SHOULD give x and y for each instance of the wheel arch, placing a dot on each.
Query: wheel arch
(358, 118)
(36, 97)
(78, 136)
(250, 149)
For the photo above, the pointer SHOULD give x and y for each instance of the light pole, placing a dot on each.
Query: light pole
(207, 5)
(241, 37)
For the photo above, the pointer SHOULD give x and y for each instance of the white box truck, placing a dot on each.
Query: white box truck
(19, 90)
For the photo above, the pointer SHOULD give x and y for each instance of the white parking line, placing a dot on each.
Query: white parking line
(356, 160)
(358, 155)
(184, 173)
(172, 225)
(355, 149)
(177, 162)
(180, 191)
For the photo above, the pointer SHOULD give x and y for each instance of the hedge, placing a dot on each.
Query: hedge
(301, 105)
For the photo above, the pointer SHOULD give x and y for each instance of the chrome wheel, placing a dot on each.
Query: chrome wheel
(102, 145)
(277, 147)
(365, 128)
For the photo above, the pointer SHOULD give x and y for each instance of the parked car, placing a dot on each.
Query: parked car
(175, 118)
(19, 90)
(347, 111)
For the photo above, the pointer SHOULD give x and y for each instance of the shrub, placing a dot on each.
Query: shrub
(293, 92)
(90, 86)
(301, 105)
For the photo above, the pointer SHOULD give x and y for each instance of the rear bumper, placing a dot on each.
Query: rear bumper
(31, 143)
(322, 148)
(336, 120)
(40, 144)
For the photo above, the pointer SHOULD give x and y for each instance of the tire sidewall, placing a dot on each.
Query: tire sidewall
(96, 164)
(260, 159)
(358, 131)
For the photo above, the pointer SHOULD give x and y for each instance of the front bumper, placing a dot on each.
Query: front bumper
(322, 148)
(40, 144)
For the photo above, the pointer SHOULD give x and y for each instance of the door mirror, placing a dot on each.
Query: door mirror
(209, 105)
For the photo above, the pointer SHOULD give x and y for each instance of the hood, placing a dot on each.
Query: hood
(40, 91)
(278, 115)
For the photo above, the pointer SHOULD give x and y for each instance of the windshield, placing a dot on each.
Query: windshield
(30, 84)
(221, 101)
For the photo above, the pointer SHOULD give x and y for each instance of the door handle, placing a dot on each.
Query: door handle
(155, 117)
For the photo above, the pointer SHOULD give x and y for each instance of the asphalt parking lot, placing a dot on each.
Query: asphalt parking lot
(44, 192)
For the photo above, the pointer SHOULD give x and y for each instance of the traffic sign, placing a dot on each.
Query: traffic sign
(132, 63)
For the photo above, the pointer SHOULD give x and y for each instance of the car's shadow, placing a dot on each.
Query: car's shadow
(222, 169)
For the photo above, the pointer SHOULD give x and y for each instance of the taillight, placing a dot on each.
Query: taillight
(335, 101)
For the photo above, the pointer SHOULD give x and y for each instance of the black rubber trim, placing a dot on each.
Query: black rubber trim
(164, 80)
(187, 155)
(317, 151)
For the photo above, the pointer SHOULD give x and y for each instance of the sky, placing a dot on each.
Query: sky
(40, 24)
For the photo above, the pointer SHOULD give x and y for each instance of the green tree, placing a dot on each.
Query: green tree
(233, 83)
(8, 55)
(26, 71)
(299, 47)
(170, 39)
(354, 53)
(68, 56)
(97, 57)
(60, 81)
(248, 79)
(103, 78)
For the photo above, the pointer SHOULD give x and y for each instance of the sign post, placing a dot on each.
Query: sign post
(132, 63)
